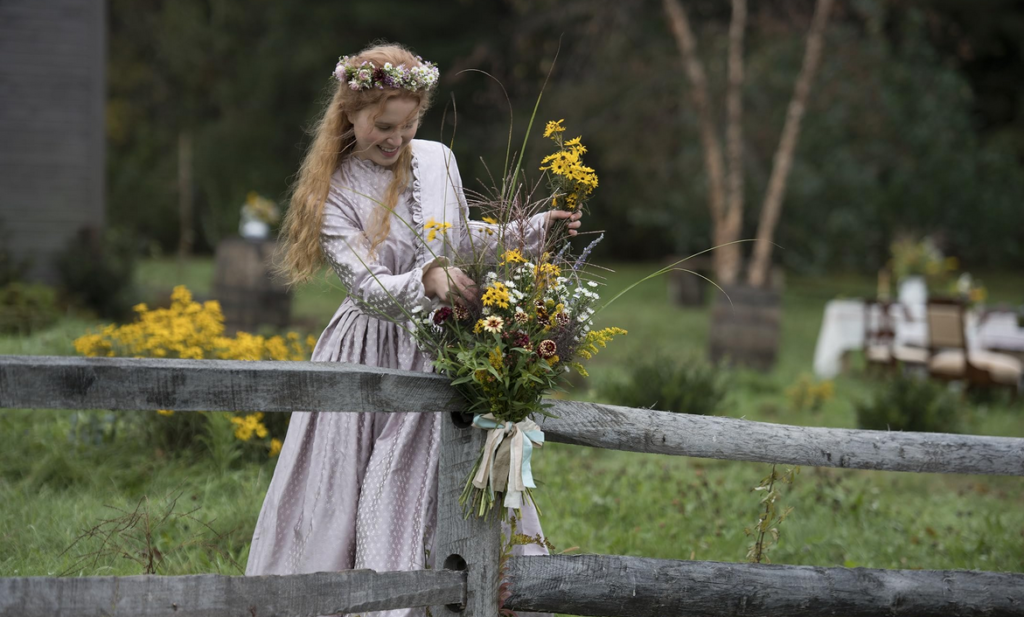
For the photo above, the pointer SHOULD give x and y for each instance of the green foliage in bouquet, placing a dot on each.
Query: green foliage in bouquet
(532, 325)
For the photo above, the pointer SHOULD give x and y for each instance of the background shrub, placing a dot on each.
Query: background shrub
(96, 271)
(657, 381)
(26, 307)
(910, 404)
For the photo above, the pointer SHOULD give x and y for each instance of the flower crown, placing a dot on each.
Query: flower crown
(367, 75)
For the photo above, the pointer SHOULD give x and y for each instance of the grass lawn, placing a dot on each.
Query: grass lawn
(53, 486)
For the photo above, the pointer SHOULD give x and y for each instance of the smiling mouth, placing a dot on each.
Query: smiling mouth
(387, 151)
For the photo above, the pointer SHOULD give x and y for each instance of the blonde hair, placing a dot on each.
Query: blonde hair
(333, 141)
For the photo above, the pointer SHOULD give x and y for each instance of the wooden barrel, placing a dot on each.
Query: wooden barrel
(250, 295)
(746, 332)
(686, 288)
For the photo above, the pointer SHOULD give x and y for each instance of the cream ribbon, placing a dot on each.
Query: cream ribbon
(505, 460)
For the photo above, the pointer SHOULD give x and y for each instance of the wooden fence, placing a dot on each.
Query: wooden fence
(468, 549)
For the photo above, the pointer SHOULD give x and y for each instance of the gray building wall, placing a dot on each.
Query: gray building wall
(52, 97)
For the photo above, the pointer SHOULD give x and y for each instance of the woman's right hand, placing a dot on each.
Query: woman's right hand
(447, 284)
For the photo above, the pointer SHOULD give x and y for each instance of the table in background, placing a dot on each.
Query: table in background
(842, 331)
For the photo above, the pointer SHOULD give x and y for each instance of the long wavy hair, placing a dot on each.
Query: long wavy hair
(333, 142)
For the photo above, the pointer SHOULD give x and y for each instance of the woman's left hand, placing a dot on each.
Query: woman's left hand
(573, 217)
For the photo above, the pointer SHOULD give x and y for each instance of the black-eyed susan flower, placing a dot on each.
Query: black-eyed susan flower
(513, 256)
(432, 227)
(496, 295)
(554, 128)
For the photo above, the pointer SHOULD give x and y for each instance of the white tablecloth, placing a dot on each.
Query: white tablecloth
(842, 330)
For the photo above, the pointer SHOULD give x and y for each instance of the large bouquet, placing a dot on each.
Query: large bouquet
(529, 322)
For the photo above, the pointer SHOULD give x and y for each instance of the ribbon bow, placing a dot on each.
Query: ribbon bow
(505, 461)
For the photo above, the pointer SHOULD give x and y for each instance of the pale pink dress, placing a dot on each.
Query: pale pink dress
(359, 490)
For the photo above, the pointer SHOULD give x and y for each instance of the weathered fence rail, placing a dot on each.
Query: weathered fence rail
(229, 385)
(467, 577)
(638, 587)
(581, 585)
(211, 595)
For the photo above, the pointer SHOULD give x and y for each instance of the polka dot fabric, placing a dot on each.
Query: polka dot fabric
(359, 490)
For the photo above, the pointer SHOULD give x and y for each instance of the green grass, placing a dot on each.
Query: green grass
(51, 488)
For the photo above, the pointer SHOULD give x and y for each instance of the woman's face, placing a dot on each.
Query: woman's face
(381, 139)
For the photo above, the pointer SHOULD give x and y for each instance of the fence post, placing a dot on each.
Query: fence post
(471, 544)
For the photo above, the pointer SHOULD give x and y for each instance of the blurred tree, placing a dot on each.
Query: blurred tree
(241, 81)
(904, 132)
(888, 143)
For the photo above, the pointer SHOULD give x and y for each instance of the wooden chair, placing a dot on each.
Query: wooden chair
(880, 347)
(950, 359)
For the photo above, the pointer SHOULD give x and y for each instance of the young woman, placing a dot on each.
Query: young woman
(358, 490)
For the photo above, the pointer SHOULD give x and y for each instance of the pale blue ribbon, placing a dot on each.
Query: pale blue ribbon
(531, 436)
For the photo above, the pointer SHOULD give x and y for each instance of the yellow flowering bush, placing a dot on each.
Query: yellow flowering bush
(192, 330)
(809, 395)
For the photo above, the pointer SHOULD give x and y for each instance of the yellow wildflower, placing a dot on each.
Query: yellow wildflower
(595, 339)
(490, 219)
(249, 424)
(512, 256)
(496, 295)
(275, 447)
(165, 412)
(432, 227)
(554, 128)
(482, 376)
(579, 369)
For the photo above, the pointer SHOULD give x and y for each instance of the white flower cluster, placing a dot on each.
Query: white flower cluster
(367, 75)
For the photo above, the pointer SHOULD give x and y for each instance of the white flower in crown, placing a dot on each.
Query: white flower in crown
(366, 75)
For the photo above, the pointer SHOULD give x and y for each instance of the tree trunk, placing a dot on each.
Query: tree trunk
(186, 233)
(732, 222)
(727, 259)
(783, 160)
